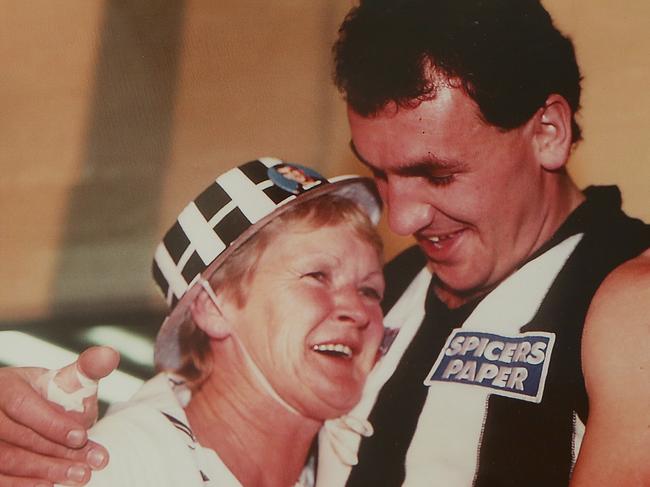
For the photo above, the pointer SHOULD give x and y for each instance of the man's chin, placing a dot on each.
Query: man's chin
(455, 289)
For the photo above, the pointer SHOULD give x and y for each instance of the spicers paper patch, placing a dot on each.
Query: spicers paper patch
(511, 366)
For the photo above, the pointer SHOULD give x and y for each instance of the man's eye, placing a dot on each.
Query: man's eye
(441, 180)
(371, 292)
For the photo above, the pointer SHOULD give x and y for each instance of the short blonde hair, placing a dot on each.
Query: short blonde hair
(233, 277)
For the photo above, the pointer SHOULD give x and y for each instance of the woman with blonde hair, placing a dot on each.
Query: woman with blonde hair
(275, 293)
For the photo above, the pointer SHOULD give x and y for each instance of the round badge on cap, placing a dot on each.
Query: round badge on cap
(294, 178)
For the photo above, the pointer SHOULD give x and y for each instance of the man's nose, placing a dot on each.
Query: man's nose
(406, 205)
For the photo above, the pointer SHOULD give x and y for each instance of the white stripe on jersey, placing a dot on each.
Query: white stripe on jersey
(578, 434)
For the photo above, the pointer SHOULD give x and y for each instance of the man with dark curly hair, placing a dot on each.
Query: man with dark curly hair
(519, 323)
(525, 303)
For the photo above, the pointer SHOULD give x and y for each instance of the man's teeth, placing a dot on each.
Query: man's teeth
(439, 238)
(334, 348)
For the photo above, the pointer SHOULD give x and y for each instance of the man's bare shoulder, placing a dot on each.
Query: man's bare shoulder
(624, 296)
(615, 362)
(617, 327)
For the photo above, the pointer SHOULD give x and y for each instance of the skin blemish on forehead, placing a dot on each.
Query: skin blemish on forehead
(425, 167)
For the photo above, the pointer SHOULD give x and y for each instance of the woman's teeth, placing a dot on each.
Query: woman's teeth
(333, 349)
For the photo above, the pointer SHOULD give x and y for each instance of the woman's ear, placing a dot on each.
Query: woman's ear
(209, 316)
(553, 137)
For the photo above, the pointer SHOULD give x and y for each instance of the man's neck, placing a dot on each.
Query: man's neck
(259, 441)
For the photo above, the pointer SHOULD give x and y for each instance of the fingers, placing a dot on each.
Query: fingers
(6, 481)
(38, 439)
(97, 362)
(93, 454)
(75, 387)
(16, 462)
(21, 404)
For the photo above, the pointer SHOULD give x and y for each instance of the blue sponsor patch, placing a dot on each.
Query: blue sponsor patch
(511, 366)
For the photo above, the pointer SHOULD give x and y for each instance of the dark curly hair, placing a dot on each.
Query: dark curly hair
(505, 54)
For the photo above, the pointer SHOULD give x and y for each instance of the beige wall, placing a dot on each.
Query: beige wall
(47, 64)
(613, 50)
(108, 127)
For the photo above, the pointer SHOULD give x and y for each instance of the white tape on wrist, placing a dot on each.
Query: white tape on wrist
(70, 401)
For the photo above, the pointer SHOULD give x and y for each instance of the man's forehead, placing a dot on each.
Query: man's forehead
(433, 132)
(427, 162)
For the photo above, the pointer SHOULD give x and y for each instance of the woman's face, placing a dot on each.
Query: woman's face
(312, 320)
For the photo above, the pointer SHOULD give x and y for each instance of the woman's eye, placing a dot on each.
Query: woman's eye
(319, 276)
(371, 292)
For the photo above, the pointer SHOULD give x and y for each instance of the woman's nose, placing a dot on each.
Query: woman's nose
(351, 309)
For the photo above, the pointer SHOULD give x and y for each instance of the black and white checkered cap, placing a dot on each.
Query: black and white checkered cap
(224, 216)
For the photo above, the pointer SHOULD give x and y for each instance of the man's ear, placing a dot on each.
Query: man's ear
(209, 317)
(552, 133)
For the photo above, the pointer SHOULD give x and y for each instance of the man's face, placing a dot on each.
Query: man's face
(473, 195)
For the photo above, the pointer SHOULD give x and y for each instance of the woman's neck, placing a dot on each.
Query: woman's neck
(260, 442)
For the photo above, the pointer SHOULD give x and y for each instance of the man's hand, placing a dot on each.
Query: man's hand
(40, 442)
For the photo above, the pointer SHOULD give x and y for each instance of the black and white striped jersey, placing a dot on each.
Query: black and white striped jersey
(490, 394)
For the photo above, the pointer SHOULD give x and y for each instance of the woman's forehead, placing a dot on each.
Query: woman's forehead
(339, 245)
(305, 233)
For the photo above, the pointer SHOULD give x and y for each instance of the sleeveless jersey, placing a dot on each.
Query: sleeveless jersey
(490, 394)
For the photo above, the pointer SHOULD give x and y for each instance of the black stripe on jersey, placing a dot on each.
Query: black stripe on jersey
(399, 273)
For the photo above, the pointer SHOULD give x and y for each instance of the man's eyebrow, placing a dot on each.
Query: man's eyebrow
(429, 164)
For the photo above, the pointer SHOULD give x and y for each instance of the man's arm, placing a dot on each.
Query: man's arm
(41, 443)
(616, 363)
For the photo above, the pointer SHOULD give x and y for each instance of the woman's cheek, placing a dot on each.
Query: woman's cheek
(317, 298)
